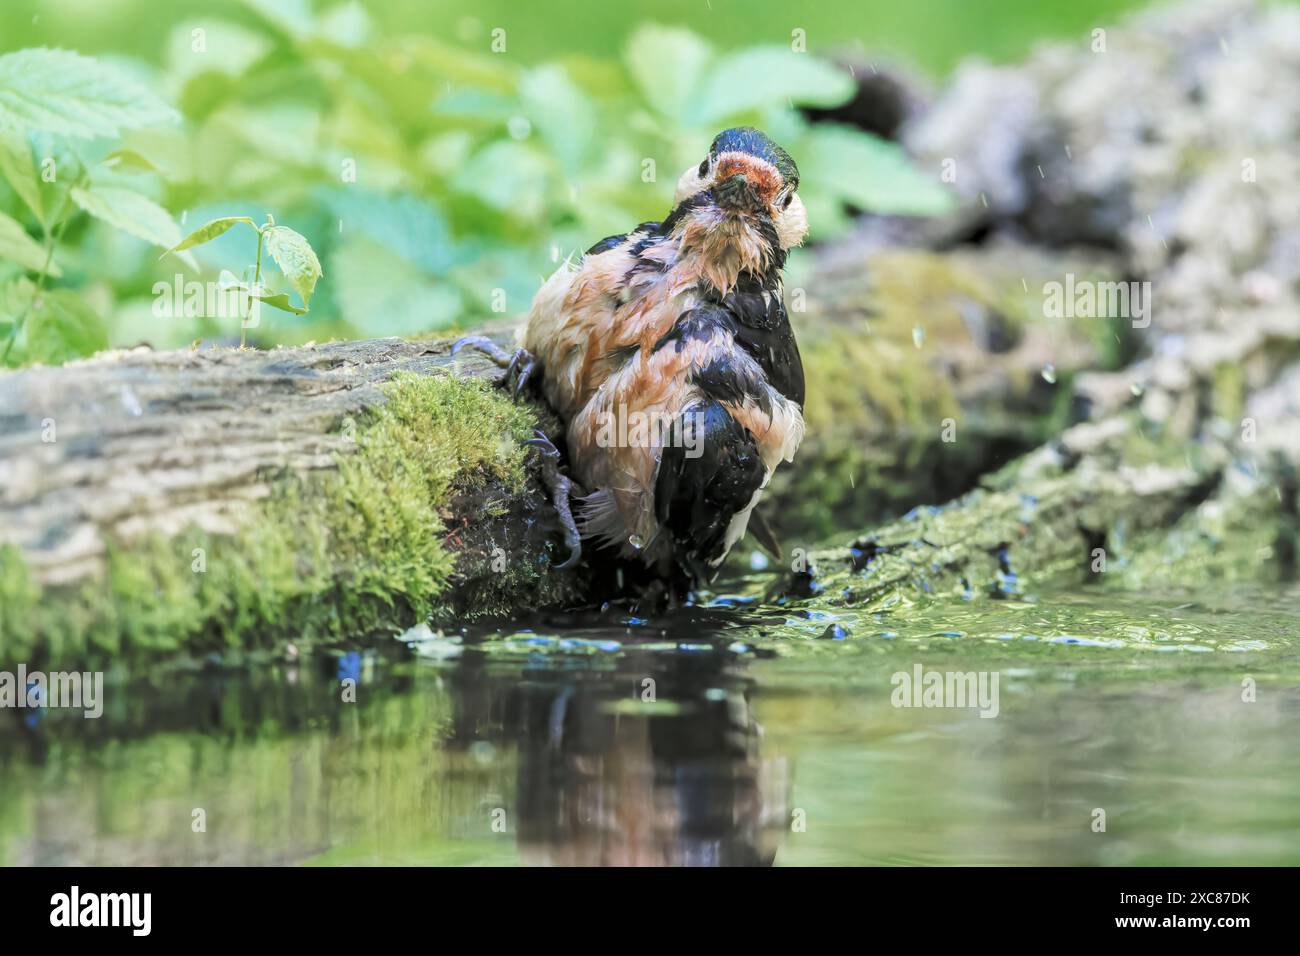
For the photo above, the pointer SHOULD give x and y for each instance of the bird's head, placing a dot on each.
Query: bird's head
(746, 184)
(746, 176)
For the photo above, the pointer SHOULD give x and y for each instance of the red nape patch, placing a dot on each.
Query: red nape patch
(760, 173)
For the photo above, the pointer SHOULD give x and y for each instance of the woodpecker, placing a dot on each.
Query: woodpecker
(669, 356)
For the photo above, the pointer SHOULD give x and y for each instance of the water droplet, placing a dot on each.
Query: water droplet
(635, 541)
(1049, 373)
(918, 336)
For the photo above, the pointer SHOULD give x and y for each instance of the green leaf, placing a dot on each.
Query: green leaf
(68, 94)
(15, 296)
(21, 248)
(561, 112)
(476, 106)
(207, 232)
(768, 76)
(63, 326)
(409, 225)
(209, 46)
(129, 211)
(459, 66)
(508, 176)
(227, 280)
(380, 293)
(667, 63)
(281, 301)
(131, 161)
(296, 259)
(19, 168)
(134, 214)
(346, 24)
(294, 17)
(867, 172)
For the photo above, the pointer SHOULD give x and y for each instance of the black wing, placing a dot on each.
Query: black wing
(763, 330)
(703, 481)
(758, 325)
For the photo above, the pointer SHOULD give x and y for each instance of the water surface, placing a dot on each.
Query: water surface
(734, 733)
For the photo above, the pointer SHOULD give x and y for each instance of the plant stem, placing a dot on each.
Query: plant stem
(51, 241)
(257, 281)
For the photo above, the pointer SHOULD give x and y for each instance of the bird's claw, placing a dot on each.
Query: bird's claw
(485, 345)
(575, 554)
(543, 444)
(519, 365)
(522, 365)
(561, 488)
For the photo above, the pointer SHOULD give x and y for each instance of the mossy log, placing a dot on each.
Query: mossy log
(1105, 504)
(926, 370)
(1184, 467)
(211, 498)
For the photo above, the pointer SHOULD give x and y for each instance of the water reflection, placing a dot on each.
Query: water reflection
(644, 757)
(655, 763)
(712, 738)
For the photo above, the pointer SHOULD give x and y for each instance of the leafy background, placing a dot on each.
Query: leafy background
(437, 180)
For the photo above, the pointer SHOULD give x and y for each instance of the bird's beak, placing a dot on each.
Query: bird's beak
(737, 194)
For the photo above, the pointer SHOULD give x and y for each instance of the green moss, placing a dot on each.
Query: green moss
(340, 554)
(19, 595)
(882, 389)
(1232, 537)
(1139, 494)
(876, 371)
(1228, 391)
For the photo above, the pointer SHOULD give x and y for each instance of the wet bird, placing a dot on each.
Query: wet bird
(668, 354)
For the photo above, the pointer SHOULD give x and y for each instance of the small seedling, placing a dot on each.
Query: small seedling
(291, 252)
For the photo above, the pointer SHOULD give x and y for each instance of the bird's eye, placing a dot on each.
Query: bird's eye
(704, 168)
(785, 203)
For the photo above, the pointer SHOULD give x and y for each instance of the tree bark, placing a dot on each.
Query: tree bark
(143, 441)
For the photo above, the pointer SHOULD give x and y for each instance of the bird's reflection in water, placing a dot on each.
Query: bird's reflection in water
(656, 762)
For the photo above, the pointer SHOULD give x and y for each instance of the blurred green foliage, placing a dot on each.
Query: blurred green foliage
(438, 179)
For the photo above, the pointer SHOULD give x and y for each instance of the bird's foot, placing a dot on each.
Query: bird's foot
(519, 365)
(562, 488)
